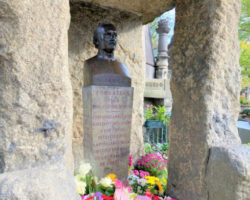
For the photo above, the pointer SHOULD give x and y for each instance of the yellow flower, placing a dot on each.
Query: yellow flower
(113, 177)
(152, 179)
(164, 181)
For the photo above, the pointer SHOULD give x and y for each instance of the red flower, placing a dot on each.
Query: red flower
(148, 193)
(156, 198)
(92, 197)
(107, 197)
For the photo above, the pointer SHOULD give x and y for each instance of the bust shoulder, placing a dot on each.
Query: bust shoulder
(97, 65)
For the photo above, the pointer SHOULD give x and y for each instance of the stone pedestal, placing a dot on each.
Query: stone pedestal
(107, 128)
(162, 62)
(162, 58)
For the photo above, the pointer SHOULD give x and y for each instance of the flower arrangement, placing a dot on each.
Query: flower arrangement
(153, 163)
(140, 173)
(140, 185)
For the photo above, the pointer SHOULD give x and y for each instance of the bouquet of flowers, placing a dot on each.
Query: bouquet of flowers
(152, 163)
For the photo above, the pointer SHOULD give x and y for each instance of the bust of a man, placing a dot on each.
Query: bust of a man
(103, 69)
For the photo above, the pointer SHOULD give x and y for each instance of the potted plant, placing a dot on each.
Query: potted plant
(245, 113)
(155, 116)
(156, 124)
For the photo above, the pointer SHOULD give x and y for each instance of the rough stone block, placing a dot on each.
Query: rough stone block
(35, 88)
(205, 85)
(228, 175)
(46, 182)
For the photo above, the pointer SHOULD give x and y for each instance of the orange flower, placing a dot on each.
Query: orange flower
(159, 187)
(113, 177)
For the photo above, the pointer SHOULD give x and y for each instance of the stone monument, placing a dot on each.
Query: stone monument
(107, 103)
(162, 71)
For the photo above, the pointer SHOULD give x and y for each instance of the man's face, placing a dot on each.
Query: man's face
(108, 40)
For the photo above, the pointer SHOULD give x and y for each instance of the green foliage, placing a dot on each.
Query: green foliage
(148, 148)
(244, 101)
(108, 191)
(149, 114)
(161, 148)
(245, 63)
(246, 112)
(244, 24)
(91, 183)
(156, 113)
(164, 147)
(244, 36)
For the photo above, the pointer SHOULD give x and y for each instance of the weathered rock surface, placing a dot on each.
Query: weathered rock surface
(147, 9)
(229, 170)
(45, 182)
(35, 88)
(205, 86)
(129, 50)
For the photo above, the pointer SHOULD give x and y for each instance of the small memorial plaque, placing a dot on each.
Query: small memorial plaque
(157, 88)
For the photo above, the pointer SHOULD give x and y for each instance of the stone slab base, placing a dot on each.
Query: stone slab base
(228, 175)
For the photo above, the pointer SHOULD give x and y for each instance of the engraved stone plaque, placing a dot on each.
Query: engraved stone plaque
(107, 128)
(157, 88)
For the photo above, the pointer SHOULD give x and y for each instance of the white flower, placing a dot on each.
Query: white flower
(80, 187)
(139, 190)
(79, 178)
(84, 169)
(143, 182)
(106, 182)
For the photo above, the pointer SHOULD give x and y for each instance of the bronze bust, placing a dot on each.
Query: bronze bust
(103, 69)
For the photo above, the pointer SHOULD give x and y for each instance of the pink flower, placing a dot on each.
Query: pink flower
(148, 106)
(130, 160)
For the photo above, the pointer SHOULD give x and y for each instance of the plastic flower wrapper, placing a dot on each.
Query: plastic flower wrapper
(93, 196)
(140, 197)
(121, 191)
(169, 198)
